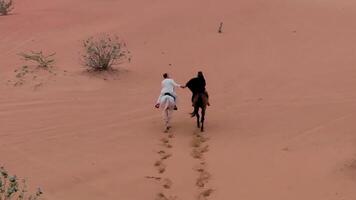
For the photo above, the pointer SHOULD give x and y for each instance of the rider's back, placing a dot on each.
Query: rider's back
(168, 85)
(196, 85)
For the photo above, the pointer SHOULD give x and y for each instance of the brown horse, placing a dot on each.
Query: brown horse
(200, 102)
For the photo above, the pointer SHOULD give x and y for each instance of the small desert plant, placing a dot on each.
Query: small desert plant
(220, 30)
(11, 188)
(43, 61)
(6, 6)
(103, 52)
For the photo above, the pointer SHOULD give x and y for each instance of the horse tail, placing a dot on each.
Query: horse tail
(197, 104)
(166, 104)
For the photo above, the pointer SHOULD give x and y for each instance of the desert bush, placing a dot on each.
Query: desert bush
(11, 188)
(42, 61)
(6, 6)
(103, 52)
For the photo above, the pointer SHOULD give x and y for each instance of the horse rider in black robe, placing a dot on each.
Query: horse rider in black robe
(197, 86)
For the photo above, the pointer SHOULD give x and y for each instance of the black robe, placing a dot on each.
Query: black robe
(196, 85)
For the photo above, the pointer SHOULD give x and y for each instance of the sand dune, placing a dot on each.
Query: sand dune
(281, 78)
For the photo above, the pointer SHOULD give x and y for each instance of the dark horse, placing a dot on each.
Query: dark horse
(200, 102)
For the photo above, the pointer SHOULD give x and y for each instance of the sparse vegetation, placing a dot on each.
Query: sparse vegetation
(6, 6)
(11, 188)
(42, 60)
(41, 71)
(220, 30)
(102, 53)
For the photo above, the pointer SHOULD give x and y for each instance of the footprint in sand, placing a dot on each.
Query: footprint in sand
(161, 168)
(164, 155)
(154, 178)
(167, 183)
(165, 142)
(161, 196)
(200, 168)
(205, 194)
(158, 163)
(198, 140)
(198, 152)
(203, 178)
(204, 149)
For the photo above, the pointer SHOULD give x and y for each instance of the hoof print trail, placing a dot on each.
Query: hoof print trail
(165, 156)
(198, 152)
(161, 196)
(166, 143)
(204, 149)
(161, 168)
(161, 152)
(199, 148)
(167, 183)
(205, 194)
(203, 178)
(158, 163)
(165, 140)
(154, 178)
(200, 168)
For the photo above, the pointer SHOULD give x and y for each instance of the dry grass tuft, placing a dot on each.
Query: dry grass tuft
(6, 6)
(103, 52)
(41, 60)
(11, 188)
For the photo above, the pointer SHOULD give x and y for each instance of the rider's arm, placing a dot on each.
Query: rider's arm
(189, 84)
(175, 84)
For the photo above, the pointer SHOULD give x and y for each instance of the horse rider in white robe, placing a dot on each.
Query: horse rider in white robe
(168, 88)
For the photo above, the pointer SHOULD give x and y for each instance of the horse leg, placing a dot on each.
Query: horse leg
(166, 120)
(195, 111)
(198, 119)
(170, 113)
(202, 119)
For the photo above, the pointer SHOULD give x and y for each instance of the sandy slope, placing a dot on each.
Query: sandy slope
(281, 78)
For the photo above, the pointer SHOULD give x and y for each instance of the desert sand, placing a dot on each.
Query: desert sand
(281, 78)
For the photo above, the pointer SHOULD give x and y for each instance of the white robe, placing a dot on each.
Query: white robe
(168, 86)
